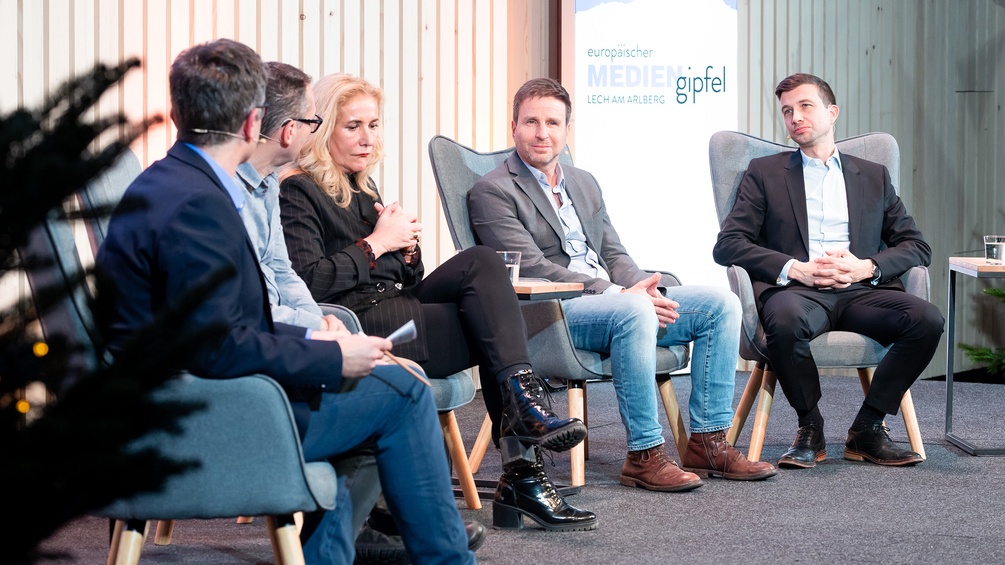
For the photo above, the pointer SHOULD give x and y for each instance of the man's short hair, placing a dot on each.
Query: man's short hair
(792, 82)
(213, 87)
(542, 88)
(286, 94)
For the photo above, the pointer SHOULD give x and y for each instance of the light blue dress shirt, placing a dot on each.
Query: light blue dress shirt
(826, 208)
(228, 183)
(583, 259)
(291, 301)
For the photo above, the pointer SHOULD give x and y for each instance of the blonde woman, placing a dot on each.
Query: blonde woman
(352, 249)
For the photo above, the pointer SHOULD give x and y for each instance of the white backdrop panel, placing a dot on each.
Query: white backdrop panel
(654, 79)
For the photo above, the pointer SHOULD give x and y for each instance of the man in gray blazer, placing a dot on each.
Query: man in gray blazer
(555, 216)
(825, 239)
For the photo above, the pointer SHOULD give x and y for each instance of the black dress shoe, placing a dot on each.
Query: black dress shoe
(380, 542)
(374, 547)
(527, 415)
(874, 444)
(525, 490)
(477, 533)
(807, 450)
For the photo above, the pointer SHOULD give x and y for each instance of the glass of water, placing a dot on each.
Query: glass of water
(994, 249)
(512, 261)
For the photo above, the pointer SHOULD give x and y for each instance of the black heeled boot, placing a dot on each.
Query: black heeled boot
(526, 416)
(525, 490)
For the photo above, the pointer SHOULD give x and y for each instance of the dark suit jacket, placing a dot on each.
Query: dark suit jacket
(187, 229)
(768, 223)
(510, 211)
(321, 240)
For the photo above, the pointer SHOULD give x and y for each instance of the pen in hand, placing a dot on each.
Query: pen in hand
(405, 333)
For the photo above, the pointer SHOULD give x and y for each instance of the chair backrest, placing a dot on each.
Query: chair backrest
(54, 267)
(104, 192)
(730, 152)
(456, 168)
(54, 272)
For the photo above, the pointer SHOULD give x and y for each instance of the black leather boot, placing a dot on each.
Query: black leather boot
(527, 415)
(525, 490)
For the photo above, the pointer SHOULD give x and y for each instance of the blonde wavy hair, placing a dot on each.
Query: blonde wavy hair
(332, 93)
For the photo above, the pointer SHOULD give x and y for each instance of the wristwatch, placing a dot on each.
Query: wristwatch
(876, 273)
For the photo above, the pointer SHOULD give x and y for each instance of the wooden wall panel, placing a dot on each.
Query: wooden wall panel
(443, 65)
(928, 72)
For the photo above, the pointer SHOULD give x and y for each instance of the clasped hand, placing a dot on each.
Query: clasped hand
(396, 229)
(836, 269)
(666, 309)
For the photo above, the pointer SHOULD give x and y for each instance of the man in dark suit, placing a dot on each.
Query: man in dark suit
(555, 216)
(825, 239)
(189, 228)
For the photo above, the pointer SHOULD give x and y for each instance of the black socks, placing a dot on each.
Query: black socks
(867, 417)
(811, 417)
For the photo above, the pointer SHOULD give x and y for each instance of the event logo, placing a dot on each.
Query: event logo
(687, 85)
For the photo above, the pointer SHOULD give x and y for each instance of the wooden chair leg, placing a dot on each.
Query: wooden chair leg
(127, 542)
(245, 519)
(746, 402)
(911, 423)
(673, 416)
(761, 416)
(865, 378)
(452, 434)
(577, 401)
(162, 536)
(113, 545)
(285, 540)
(481, 445)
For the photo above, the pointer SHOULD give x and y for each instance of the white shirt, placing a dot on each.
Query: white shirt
(826, 208)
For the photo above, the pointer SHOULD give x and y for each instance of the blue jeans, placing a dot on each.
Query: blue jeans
(625, 327)
(394, 413)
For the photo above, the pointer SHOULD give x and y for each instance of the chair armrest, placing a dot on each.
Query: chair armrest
(917, 282)
(751, 332)
(241, 419)
(347, 316)
(667, 279)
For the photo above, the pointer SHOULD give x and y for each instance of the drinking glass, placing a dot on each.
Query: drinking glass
(994, 249)
(512, 261)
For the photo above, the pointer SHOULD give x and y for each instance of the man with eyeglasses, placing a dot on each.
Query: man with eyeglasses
(183, 229)
(283, 133)
(288, 95)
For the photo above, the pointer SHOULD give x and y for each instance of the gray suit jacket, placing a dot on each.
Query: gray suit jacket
(509, 211)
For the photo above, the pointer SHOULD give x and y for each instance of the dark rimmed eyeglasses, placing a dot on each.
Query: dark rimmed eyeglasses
(316, 122)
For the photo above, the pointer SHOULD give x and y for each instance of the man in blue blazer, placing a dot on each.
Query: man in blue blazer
(187, 228)
(825, 239)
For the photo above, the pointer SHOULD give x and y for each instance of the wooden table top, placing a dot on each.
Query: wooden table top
(976, 267)
(545, 290)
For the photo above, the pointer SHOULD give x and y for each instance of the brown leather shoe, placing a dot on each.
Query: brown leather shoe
(652, 469)
(710, 455)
